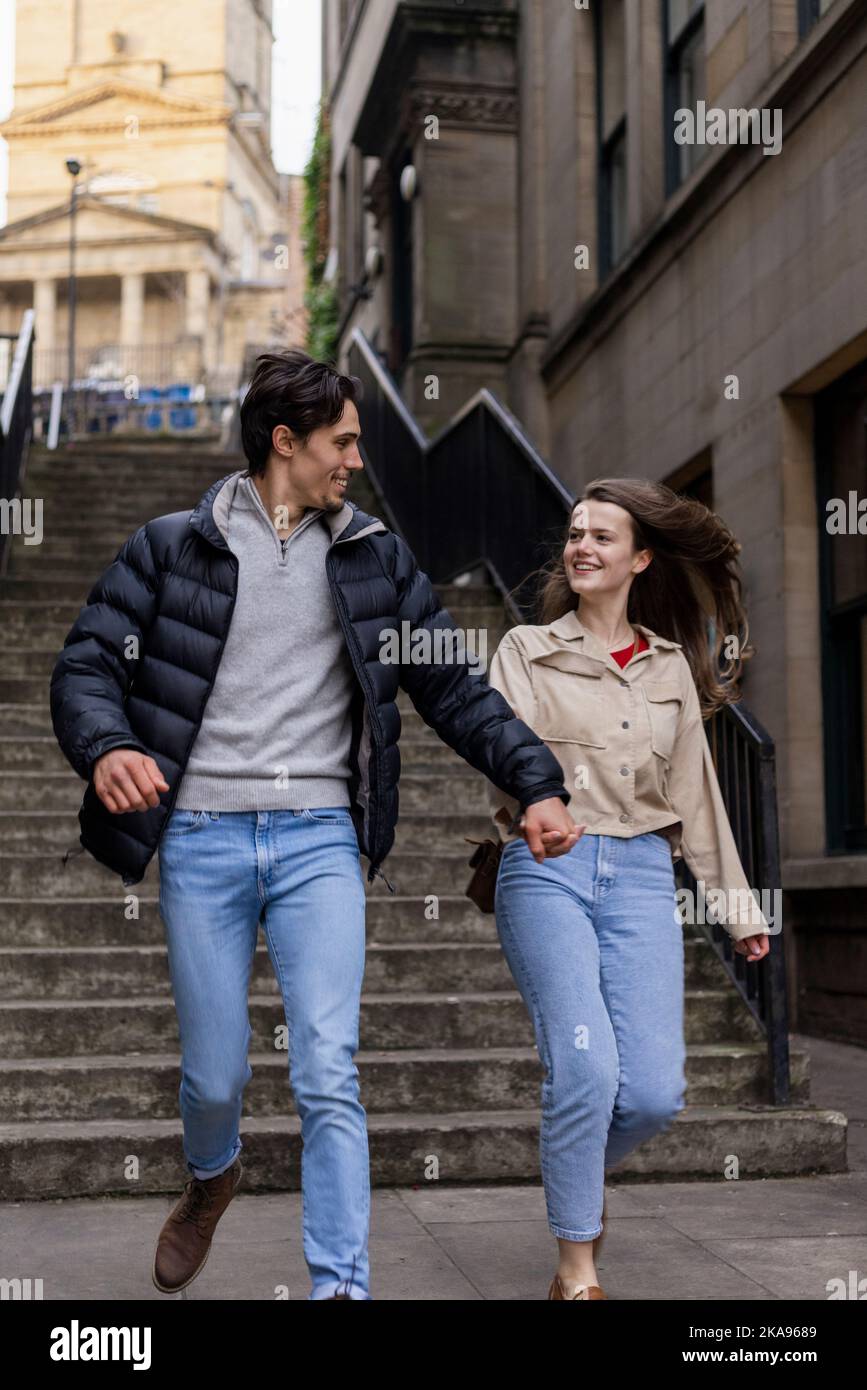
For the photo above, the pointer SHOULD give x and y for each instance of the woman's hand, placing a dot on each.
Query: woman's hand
(548, 829)
(753, 947)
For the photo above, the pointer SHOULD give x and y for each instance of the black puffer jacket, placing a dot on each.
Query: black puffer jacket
(172, 586)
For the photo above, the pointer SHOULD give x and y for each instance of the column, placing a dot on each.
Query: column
(46, 364)
(198, 293)
(132, 287)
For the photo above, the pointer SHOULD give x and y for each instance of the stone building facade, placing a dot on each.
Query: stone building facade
(519, 202)
(187, 238)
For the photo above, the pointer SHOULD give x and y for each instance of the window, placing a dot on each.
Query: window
(841, 471)
(611, 124)
(683, 46)
(809, 13)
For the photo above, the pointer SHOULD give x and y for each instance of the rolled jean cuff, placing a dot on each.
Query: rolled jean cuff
(356, 1293)
(563, 1234)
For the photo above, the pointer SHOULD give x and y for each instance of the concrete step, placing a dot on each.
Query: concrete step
(50, 832)
(31, 643)
(411, 1080)
(91, 557)
(28, 648)
(69, 1158)
(130, 505)
(17, 687)
(474, 595)
(486, 1018)
(25, 874)
(61, 791)
(21, 719)
(111, 471)
(37, 754)
(68, 973)
(471, 616)
(40, 752)
(68, 590)
(116, 486)
(25, 690)
(95, 922)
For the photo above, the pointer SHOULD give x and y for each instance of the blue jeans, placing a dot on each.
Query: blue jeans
(594, 946)
(221, 872)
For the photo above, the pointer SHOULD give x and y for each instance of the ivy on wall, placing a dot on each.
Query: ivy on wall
(320, 298)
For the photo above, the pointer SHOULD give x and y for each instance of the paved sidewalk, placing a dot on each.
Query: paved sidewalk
(754, 1240)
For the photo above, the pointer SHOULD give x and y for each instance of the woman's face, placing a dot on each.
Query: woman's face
(599, 555)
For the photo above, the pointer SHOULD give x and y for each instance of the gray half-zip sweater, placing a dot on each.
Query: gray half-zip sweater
(277, 727)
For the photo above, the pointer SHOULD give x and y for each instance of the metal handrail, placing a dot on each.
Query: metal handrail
(478, 494)
(16, 420)
(745, 761)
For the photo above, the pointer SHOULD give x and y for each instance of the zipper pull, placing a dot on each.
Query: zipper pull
(378, 870)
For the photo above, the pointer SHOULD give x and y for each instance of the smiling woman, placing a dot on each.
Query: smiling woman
(616, 679)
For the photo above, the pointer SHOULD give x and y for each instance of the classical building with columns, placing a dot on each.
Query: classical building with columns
(187, 240)
(513, 207)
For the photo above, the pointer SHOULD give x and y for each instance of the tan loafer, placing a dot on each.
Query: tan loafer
(583, 1291)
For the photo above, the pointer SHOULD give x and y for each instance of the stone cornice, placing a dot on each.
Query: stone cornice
(460, 105)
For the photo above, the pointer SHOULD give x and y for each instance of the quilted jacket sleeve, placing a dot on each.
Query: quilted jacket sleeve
(467, 713)
(94, 671)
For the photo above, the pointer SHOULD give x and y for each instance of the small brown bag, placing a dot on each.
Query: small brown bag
(486, 862)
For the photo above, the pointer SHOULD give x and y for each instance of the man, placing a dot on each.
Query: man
(222, 692)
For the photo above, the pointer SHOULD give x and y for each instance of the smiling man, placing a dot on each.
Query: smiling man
(224, 693)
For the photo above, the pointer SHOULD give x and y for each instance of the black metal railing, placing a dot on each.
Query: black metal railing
(479, 495)
(147, 364)
(159, 410)
(16, 421)
(744, 758)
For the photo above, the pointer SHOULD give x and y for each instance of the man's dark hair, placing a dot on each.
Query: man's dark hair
(290, 388)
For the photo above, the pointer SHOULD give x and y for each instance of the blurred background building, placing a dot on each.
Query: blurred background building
(187, 239)
(510, 209)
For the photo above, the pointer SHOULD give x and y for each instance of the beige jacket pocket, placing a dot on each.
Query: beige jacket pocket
(664, 700)
(569, 702)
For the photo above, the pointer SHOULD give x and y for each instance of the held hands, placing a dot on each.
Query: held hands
(753, 947)
(127, 780)
(549, 829)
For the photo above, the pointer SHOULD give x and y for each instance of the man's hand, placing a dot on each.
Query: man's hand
(127, 780)
(549, 829)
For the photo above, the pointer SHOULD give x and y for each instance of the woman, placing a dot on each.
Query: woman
(616, 680)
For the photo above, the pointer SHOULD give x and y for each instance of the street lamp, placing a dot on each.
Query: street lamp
(74, 167)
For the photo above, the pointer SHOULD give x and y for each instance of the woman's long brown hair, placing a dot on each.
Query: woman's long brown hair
(693, 576)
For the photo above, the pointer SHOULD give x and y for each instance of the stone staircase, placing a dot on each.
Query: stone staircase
(450, 1075)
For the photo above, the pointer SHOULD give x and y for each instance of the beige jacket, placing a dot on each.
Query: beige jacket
(632, 747)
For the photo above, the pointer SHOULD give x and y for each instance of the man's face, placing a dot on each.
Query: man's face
(320, 470)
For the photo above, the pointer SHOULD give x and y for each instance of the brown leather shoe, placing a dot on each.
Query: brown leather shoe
(185, 1239)
(587, 1291)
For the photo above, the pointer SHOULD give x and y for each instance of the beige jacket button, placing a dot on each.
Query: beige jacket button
(624, 772)
(624, 818)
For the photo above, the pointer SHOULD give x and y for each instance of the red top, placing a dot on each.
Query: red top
(625, 653)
